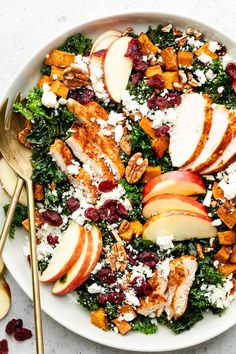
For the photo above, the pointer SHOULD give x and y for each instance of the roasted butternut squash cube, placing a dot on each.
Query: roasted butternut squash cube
(223, 254)
(44, 79)
(233, 255)
(127, 309)
(153, 70)
(185, 58)
(146, 125)
(137, 227)
(170, 58)
(59, 89)
(56, 73)
(169, 78)
(151, 172)
(38, 222)
(60, 58)
(204, 49)
(217, 192)
(122, 326)
(147, 45)
(227, 213)
(38, 192)
(127, 235)
(99, 318)
(233, 290)
(160, 145)
(227, 269)
(227, 237)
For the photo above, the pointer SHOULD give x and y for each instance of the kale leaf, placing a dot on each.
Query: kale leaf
(133, 191)
(89, 301)
(77, 44)
(144, 325)
(43, 263)
(20, 215)
(45, 69)
(160, 38)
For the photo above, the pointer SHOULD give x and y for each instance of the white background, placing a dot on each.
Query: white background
(26, 25)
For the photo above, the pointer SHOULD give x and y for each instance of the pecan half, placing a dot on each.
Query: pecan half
(23, 134)
(135, 168)
(124, 226)
(74, 77)
(118, 258)
(125, 143)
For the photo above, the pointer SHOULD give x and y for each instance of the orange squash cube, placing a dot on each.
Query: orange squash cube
(217, 192)
(44, 79)
(56, 73)
(223, 254)
(146, 125)
(169, 78)
(122, 326)
(227, 237)
(151, 172)
(59, 89)
(204, 49)
(160, 145)
(227, 213)
(147, 45)
(60, 58)
(227, 269)
(185, 58)
(99, 318)
(170, 58)
(127, 235)
(127, 309)
(137, 227)
(153, 70)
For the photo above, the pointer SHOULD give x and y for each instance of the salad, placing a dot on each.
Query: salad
(134, 168)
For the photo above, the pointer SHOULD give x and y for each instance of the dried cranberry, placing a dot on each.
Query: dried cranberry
(12, 325)
(103, 212)
(52, 240)
(156, 81)
(152, 103)
(73, 204)
(107, 276)
(148, 258)
(231, 70)
(82, 95)
(22, 334)
(92, 214)
(140, 286)
(174, 99)
(110, 203)
(113, 216)
(132, 257)
(234, 85)
(222, 50)
(162, 102)
(140, 65)
(103, 299)
(162, 130)
(116, 296)
(106, 186)
(51, 217)
(4, 346)
(135, 78)
(121, 210)
(134, 49)
(99, 53)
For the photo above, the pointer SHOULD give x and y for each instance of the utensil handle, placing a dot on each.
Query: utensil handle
(34, 270)
(10, 213)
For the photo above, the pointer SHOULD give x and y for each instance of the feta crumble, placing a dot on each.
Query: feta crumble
(49, 99)
(205, 58)
(216, 222)
(219, 295)
(165, 242)
(207, 199)
(95, 289)
(228, 181)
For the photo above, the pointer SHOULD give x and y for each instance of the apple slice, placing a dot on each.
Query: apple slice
(165, 202)
(5, 298)
(182, 224)
(85, 264)
(108, 33)
(2, 267)
(179, 182)
(117, 68)
(66, 254)
(8, 179)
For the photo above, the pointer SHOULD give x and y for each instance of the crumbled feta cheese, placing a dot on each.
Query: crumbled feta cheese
(49, 99)
(210, 75)
(81, 63)
(228, 181)
(165, 242)
(207, 199)
(216, 264)
(141, 270)
(220, 89)
(95, 289)
(73, 169)
(216, 222)
(96, 77)
(54, 77)
(119, 130)
(131, 298)
(62, 101)
(97, 268)
(226, 59)
(128, 316)
(219, 295)
(116, 330)
(194, 42)
(213, 46)
(205, 58)
(201, 76)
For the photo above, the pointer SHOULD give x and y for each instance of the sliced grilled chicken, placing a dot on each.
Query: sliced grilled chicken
(181, 277)
(157, 300)
(190, 132)
(219, 137)
(63, 158)
(228, 156)
(85, 113)
(89, 153)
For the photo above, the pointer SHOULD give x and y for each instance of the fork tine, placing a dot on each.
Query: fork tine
(3, 109)
(8, 116)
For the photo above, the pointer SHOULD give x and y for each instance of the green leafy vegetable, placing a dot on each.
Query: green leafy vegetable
(77, 44)
(20, 215)
(90, 301)
(160, 38)
(111, 310)
(144, 325)
(142, 92)
(43, 263)
(45, 69)
(133, 191)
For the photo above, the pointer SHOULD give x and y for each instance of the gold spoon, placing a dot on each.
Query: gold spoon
(18, 157)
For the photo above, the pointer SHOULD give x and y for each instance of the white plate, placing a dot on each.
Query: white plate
(73, 316)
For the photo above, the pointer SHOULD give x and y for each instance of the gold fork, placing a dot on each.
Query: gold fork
(18, 157)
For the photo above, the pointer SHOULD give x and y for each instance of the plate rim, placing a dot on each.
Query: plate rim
(68, 32)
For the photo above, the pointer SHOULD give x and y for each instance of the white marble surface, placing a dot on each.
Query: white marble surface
(26, 25)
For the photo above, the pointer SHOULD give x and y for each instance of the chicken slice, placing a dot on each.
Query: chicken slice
(181, 277)
(219, 137)
(88, 152)
(63, 158)
(157, 300)
(192, 126)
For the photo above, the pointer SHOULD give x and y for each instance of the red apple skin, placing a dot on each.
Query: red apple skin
(104, 35)
(180, 197)
(75, 256)
(185, 176)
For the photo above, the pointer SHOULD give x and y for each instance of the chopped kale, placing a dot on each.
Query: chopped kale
(107, 238)
(143, 245)
(20, 215)
(206, 273)
(90, 301)
(142, 92)
(145, 325)
(160, 38)
(43, 263)
(165, 163)
(133, 191)
(77, 44)
(45, 69)
(111, 310)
